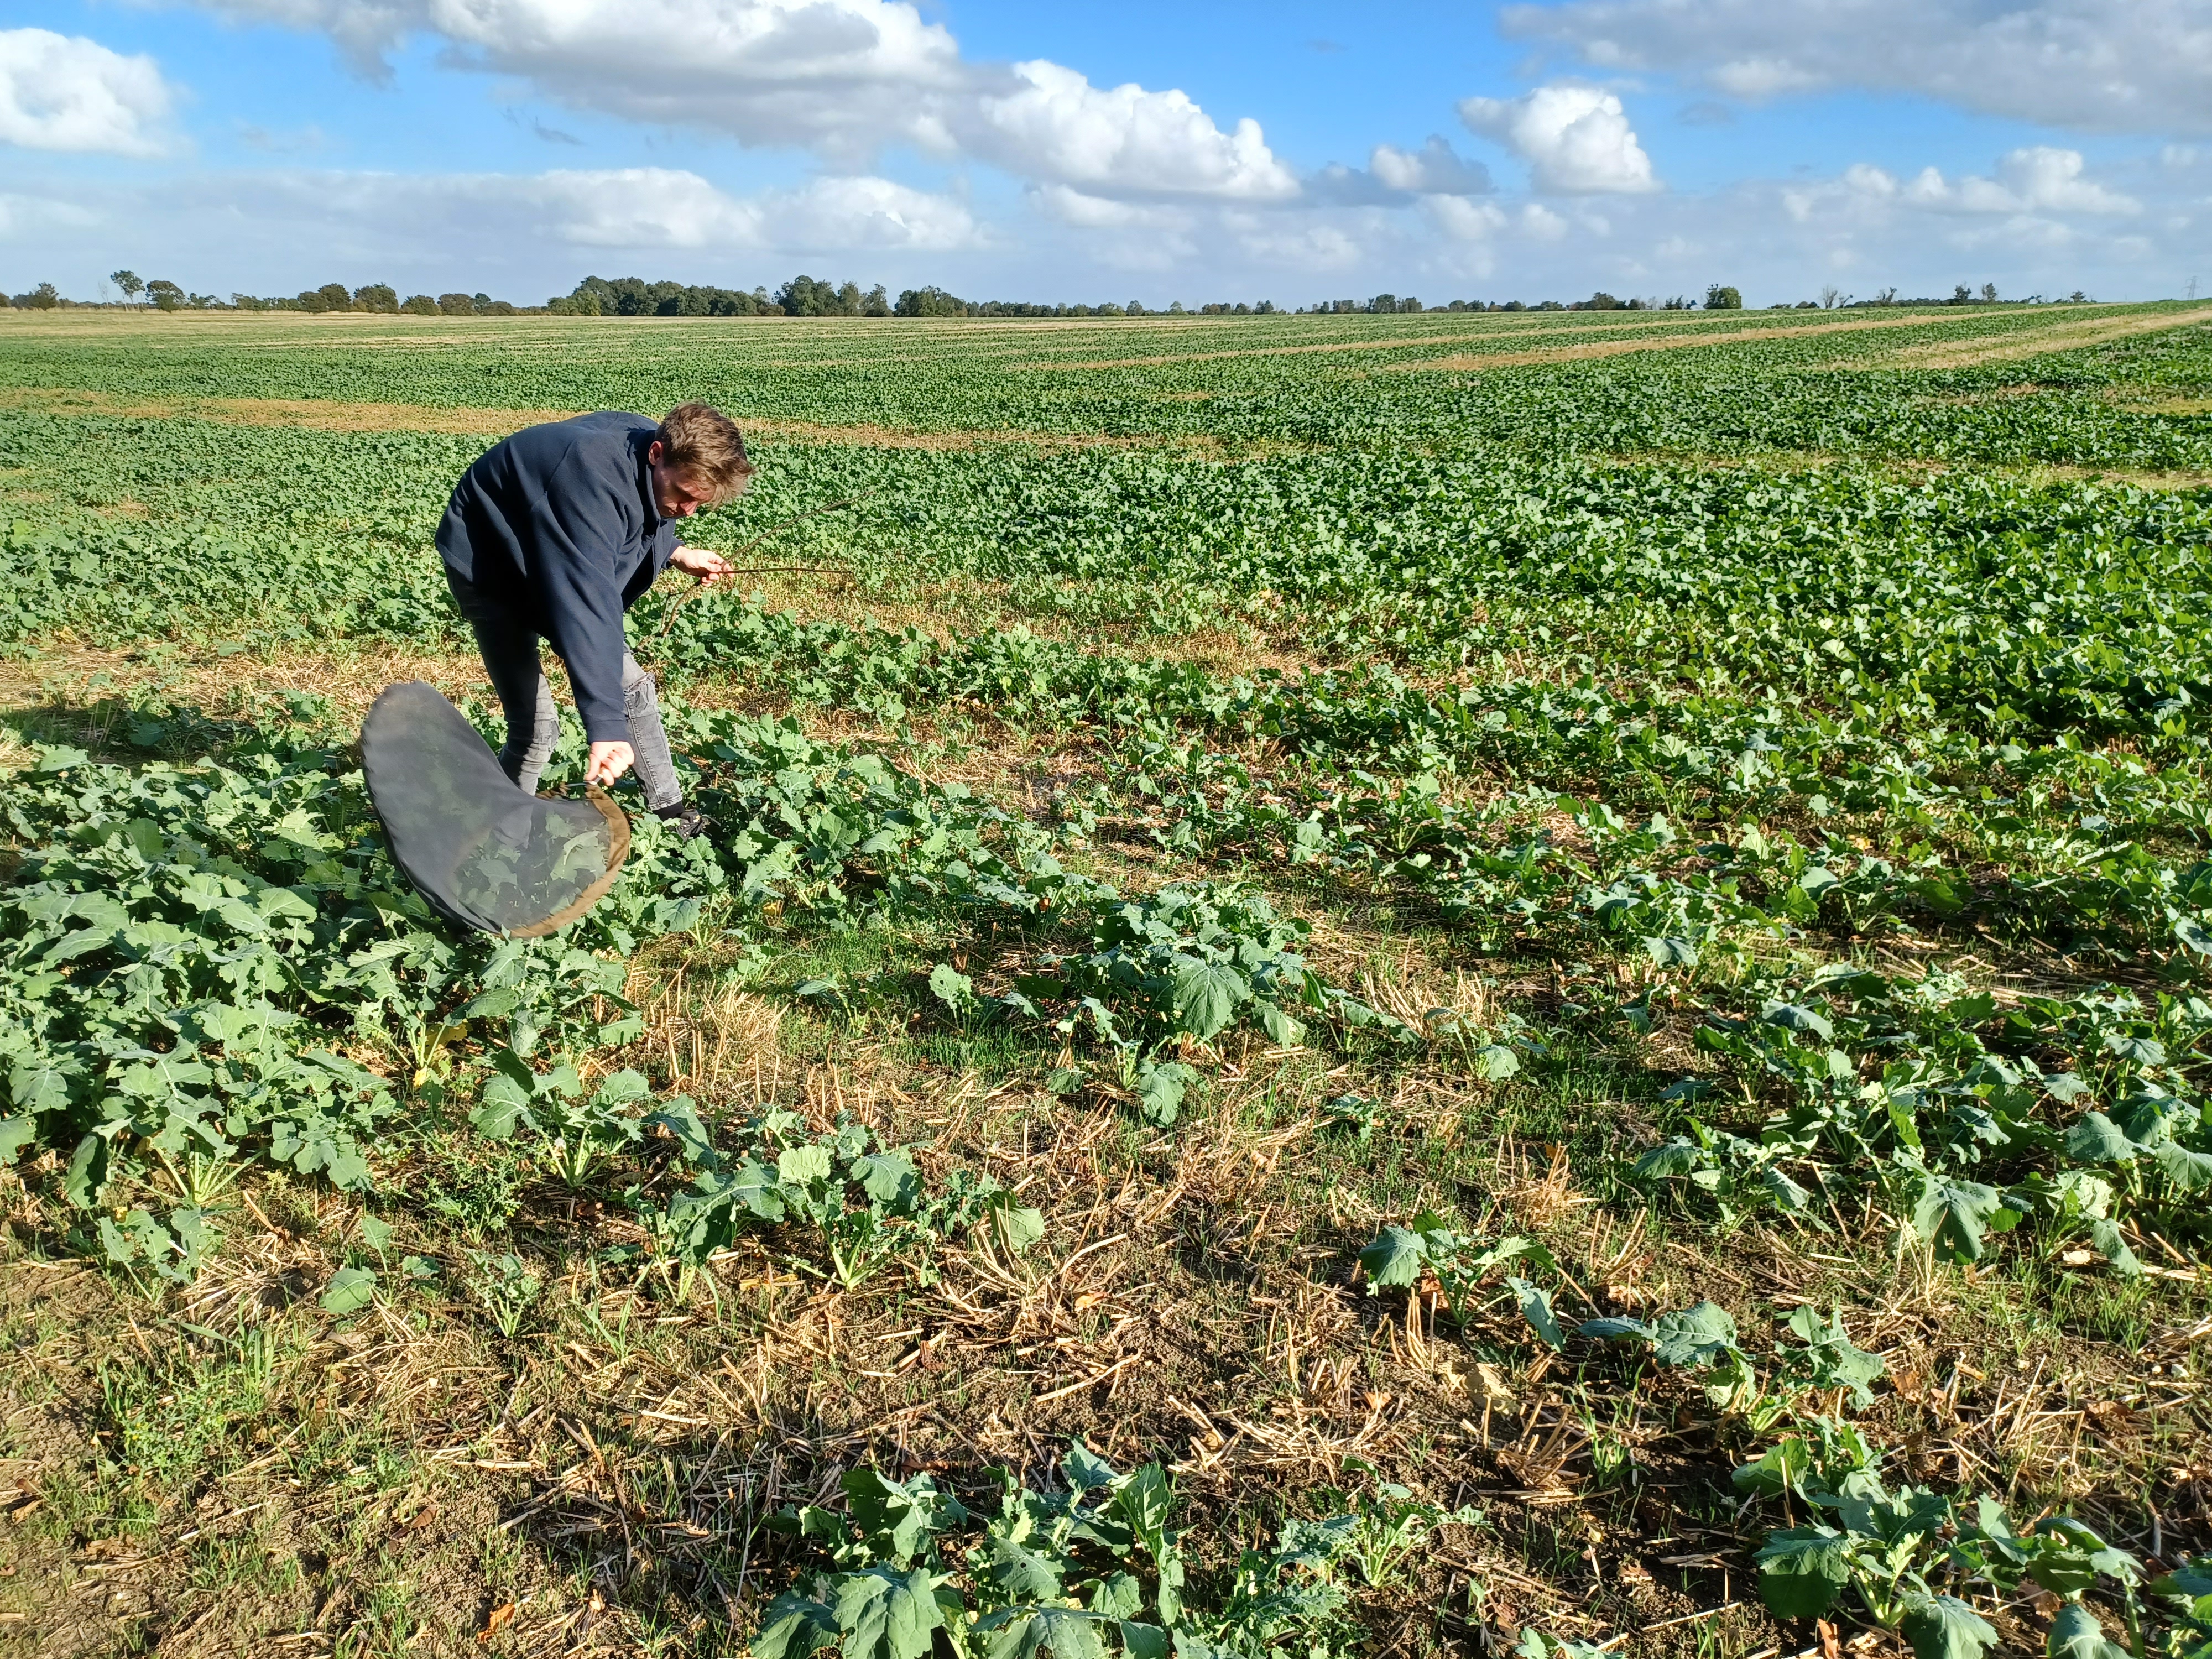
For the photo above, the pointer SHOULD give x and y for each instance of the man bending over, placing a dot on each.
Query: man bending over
(553, 534)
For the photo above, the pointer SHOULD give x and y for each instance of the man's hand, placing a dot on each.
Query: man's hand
(608, 761)
(698, 561)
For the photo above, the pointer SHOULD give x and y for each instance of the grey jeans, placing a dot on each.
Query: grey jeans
(509, 647)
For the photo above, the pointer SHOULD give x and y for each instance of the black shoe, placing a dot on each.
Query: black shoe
(684, 817)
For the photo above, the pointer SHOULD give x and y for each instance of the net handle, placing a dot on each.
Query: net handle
(617, 850)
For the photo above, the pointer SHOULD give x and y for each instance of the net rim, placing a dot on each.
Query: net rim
(617, 852)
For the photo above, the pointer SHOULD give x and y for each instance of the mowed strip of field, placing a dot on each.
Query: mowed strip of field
(2065, 337)
(1697, 328)
(2023, 342)
(320, 414)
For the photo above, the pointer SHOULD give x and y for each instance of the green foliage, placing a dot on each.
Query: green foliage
(1916, 1086)
(1889, 1548)
(349, 1290)
(1400, 1257)
(192, 947)
(1704, 1338)
(1091, 1570)
(174, 1252)
(866, 1203)
(505, 1285)
(577, 1132)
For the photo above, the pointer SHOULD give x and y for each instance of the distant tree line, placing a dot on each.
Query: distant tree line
(1833, 298)
(1717, 298)
(164, 295)
(815, 296)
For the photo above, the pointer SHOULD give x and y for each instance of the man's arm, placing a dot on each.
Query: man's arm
(578, 524)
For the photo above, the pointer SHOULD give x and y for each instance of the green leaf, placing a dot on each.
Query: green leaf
(1023, 1632)
(88, 1172)
(1024, 1574)
(2102, 1556)
(1021, 1227)
(504, 1108)
(1086, 1472)
(2192, 1172)
(951, 988)
(1694, 1336)
(1160, 1090)
(1140, 1641)
(376, 1234)
(1944, 1627)
(803, 1165)
(1394, 1260)
(1118, 1597)
(1954, 1216)
(2097, 1140)
(349, 1290)
(1279, 1026)
(1145, 1502)
(1802, 1571)
(16, 1134)
(2191, 1583)
(695, 1142)
(889, 1178)
(496, 1003)
(1495, 1062)
(2076, 1634)
(2136, 1050)
(794, 1626)
(887, 1615)
(2192, 933)
(901, 1514)
(1612, 1330)
(1792, 1017)
(1781, 1468)
(36, 1085)
(1536, 1308)
(1205, 996)
(1832, 1360)
(120, 1248)
(2107, 1238)
(624, 1088)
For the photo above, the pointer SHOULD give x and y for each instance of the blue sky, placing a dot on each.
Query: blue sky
(1139, 149)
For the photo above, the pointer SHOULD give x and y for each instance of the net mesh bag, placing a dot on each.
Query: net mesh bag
(479, 850)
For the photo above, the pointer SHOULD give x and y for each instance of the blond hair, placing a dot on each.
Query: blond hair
(702, 444)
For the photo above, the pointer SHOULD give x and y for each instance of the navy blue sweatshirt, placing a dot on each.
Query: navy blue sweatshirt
(559, 521)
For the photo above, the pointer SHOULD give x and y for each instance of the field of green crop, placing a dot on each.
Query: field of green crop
(1363, 986)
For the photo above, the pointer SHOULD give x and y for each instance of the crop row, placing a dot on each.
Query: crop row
(1787, 390)
(1956, 599)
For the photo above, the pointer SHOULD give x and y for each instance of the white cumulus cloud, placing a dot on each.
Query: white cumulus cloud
(664, 207)
(2110, 65)
(1053, 124)
(2037, 180)
(1575, 139)
(635, 208)
(1434, 169)
(1761, 77)
(840, 77)
(1466, 221)
(64, 92)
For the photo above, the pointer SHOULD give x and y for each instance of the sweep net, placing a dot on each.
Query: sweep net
(479, 850)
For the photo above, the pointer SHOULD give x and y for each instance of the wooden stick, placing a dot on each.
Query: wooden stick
(669, 621)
